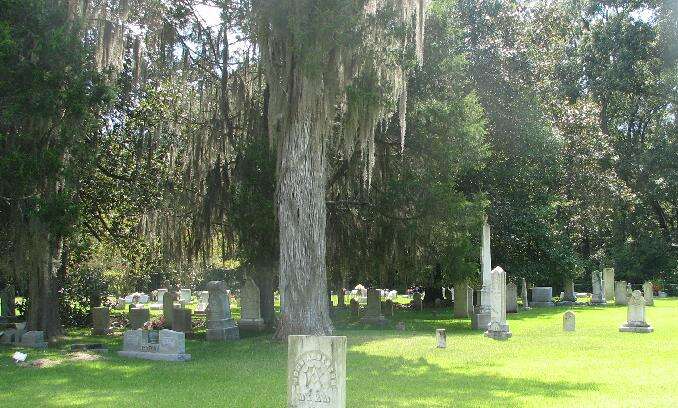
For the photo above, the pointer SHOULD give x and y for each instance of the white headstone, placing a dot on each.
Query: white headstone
(441, 338)
(250, 307)
(648, 294)
(316, 371)
(185, 295)
(608, 282)
(621, 294)
(636, 315)
(498, 328)
(568, 321)
(598, 292)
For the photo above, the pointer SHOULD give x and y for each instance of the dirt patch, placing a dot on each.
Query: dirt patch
(40, 363)
(83, 356)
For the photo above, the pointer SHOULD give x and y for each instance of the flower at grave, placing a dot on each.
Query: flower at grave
(155, 324)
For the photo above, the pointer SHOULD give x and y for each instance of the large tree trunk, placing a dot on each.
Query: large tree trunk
(301, 211)
(263, 277)
(43, 291)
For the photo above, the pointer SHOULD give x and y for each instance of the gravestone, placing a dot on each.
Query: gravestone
(480, 318)
(568, 291)
(185, 295)
(498, 329)
(416, 302)
(203, 300)
(400, 326)
(168, 308)
(636, 315)
(182, 320)
(165, 345)
(101, 321)
(542, 296)
(463, 300)
(373, 314)
(621, 294)
(8, 336)
(316, 371)
(598, 291)
(441, 338)
(138, 316)
(220, 325)
(647, 294)
(608, 282)
(387, 307)
(35, 339)
(250, 307)
(355, 307)
(511, 298)
(159, 299)
(523, 294)
(568, 321)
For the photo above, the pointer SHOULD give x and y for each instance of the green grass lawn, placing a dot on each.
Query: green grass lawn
(539, 366)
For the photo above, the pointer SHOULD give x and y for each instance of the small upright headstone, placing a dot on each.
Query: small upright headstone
(182, 320)
(568, 292)
(620, 293)
(511, 298)
(355, 308)
(463, 300)
(35, 339)
(416, 302)
(608, 282)
(220, 325)
(203, 300)
(598, 291)
(647, 294)
(168, 307)
(542, 296)
(523, 294)
(138, 316)
(373, 314)
(498, 329)
(568, 321)
(316, 371)
(387, 307)
(250, 307)
(441, 338)
(101, 321)
(636, 315)
(185, 295)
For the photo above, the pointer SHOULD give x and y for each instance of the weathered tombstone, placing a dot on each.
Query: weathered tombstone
(498, 329)
(8, 336)
(387, 307)
(168, 307)
(636, 315)
(185, 295)
(161, 295)
(167, 346)
(138, 316)
(341, 299)
(355, 307)
(220, 325)
(523, 294)
(542, 296)
(203, 300)
(568, 292)
(316, 371)
(441, 338)
(511, 298)
(648, 294)
(101, 321)
(35, 339)
(400, 326)
(608, 282)
(568, 321)
(598, 291)
(182, 320)
(250, 307)
(621, 295)
(416, 302)
(373, 314)
(463, 300)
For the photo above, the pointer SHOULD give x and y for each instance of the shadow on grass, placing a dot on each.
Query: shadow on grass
(416, 381)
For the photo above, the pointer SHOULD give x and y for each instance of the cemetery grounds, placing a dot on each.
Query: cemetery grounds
(540, 365)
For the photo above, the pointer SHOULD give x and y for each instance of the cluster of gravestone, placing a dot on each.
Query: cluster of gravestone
(142, 342)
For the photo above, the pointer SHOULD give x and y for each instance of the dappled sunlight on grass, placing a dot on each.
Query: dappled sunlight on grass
(540, 365)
